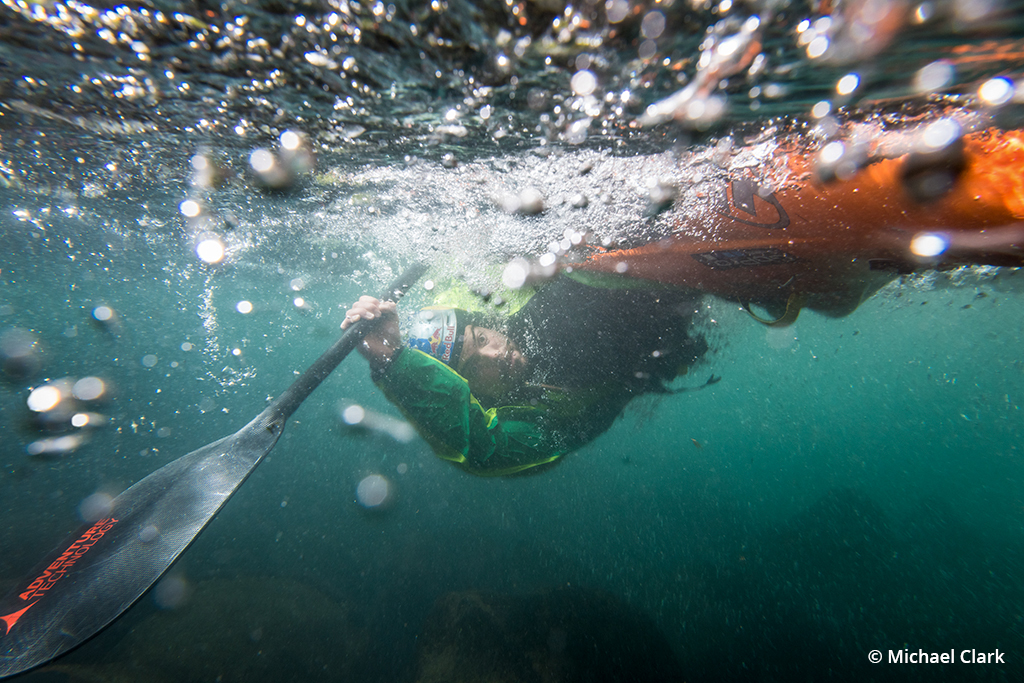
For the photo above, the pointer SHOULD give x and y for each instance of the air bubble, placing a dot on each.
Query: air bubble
(103, 313)
(95, 507)
(89, 389)
(44, 398)
(190, 208)
(353, 414)
(933, 77)
(374, 491)
(583, 83)
(515, 274)
(928, 244)
(210, 250)
(262, 160)
(847, 84)
(996, 92)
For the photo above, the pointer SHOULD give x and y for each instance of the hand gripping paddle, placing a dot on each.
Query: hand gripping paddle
(105, 566)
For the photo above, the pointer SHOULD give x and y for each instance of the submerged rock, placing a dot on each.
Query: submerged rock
(250, 629)
(558, 636)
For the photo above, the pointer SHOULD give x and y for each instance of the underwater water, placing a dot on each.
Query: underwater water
(851, 484)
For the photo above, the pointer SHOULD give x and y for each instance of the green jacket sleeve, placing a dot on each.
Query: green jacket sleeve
(488, 442)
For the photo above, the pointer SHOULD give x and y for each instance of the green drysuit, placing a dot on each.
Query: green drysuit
(499, 440)
(594, 349)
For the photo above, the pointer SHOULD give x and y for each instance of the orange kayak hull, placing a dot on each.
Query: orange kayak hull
(831, 245)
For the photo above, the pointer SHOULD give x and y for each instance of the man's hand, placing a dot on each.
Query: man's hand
(384, 339)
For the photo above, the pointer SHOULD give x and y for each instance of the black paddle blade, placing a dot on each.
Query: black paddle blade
(105, 566)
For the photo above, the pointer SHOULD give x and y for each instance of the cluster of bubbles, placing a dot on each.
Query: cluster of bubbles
(932, 147)
(67, 404)
(577, 69)
(933, 142)
(285, 87)
(66, 410)
(376, 492)
(360, 418)
(609, 68)
(271, 170)
(282, 169)
(522, 272)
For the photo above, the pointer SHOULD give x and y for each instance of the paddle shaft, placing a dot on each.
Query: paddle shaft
(292, 398)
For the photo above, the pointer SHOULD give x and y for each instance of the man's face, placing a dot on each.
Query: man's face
(490, 362)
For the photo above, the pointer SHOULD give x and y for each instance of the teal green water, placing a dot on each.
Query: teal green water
(851, 484)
